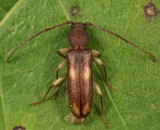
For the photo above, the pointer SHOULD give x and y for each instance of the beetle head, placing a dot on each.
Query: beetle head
(78, 37)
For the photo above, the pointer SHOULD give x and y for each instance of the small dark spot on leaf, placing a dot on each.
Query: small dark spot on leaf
(19, 128)
(75, 10)
(154, 60)
(150, 10)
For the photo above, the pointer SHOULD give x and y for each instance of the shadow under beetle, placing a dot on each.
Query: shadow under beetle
(79, 69)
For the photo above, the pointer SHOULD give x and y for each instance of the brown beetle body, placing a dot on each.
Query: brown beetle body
(79, 75)
(80, 90)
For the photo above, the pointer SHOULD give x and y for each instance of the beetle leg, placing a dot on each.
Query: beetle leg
(57, 81)
(60, 66)
(96, 53)
(62, 51)
(98, 89)
(99, 62)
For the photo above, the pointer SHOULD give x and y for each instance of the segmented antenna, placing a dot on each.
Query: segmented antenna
(105, 30)
(53, 27)
(89, 24)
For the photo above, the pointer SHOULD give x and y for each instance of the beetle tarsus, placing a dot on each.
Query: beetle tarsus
(35, 103)
(110, 86)
(154, 60)
(102, 114)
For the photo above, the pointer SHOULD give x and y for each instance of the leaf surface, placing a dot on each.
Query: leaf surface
(31, 70)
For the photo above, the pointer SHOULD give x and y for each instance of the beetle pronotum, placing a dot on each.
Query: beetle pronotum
(79, 69)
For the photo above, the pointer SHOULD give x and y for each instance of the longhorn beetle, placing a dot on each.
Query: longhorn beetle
(79, 69)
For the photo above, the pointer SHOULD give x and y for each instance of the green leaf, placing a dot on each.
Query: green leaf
(31, 70)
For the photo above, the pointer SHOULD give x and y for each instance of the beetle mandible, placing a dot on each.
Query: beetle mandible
(79, 69)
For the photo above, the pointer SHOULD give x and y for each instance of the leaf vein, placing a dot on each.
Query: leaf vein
(111, 99)
(61, 4)
(9, 14)
(3, 110)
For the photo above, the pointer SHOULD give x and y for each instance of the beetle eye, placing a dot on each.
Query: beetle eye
(85, 27)
(72, 26)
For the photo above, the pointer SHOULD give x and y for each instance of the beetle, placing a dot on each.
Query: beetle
(79, 69)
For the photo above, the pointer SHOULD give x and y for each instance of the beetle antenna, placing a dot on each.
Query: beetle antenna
(103, 29)
(53, 27)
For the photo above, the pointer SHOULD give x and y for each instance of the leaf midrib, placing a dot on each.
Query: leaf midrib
(110, 97)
